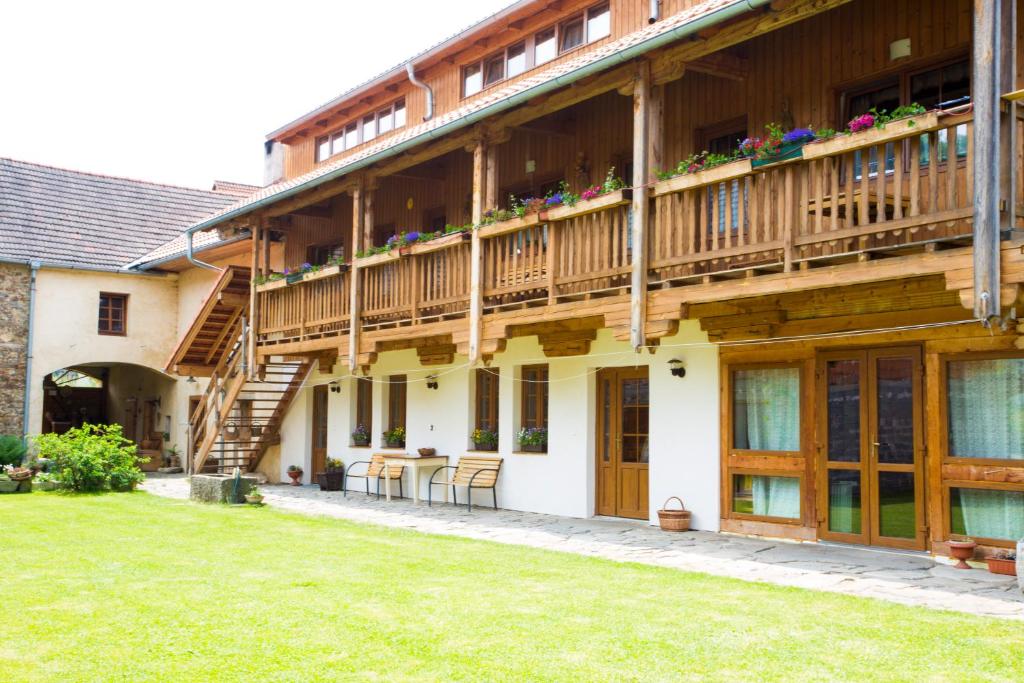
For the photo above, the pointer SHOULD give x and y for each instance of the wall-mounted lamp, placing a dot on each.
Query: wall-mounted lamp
(676, 367)
(190, 380)
(335, 387)
(432, 382)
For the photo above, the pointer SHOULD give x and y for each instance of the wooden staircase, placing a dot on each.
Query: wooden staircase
(238, 418)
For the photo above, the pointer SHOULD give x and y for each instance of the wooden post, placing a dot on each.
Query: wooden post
(354, 288)
(1007, 24)
(476, 251)
(642, 145)
(491, 181)
(986, 158)
(258, 231)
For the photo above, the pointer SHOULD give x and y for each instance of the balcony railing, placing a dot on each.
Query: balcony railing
(906, 184)
(314, 307)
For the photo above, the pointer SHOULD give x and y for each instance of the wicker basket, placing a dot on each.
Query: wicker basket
(674, 520)
(427, 452)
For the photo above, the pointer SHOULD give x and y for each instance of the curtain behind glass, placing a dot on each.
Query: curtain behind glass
(766, 409)
(992, 514)
(986, 408)
(777, 497)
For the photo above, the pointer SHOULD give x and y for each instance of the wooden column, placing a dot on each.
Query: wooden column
(258, 231)
(358, 217)
(986, 147)
(491, 179)
(642, 171)
(476, 254)
(1008, 172)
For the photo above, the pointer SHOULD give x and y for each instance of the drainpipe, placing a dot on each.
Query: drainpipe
(655, 12)
(33, 269)
(190, 255)
(426, 89)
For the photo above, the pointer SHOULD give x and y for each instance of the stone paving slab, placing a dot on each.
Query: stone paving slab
(909, 579)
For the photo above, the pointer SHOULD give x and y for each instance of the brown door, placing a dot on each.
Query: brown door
(319, 460)
(870, 475)
(622, 442)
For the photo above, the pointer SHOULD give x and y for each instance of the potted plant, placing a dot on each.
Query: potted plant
(395, 438)
(485, 440)
(1002, 562)
(533, 439)
(961, 551)
(295, 472)
(334, 478)
(254, 497)
(360, 437)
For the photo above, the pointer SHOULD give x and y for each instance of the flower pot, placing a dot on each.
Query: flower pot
(296, 476)
(253, 499)
(533, 448)
(361, 443)
(792, 150)
(1000, 565)
(962, 551)
(392, 443)
(331, 481)
(484, 446)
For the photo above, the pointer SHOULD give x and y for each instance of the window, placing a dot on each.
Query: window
(766, 409)
(494, 70)
(472, 80)
(363, 130)
(396, 401)
(535, 397)
(487, 399)
(987, 513)
(599, 22)
(320, 254)
(516, 63)
(364, 404)
(766, 496)
(985, 407)
(544, 49)
(113, 317)
(570, 34)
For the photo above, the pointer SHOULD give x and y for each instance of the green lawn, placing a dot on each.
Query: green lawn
(133, 587)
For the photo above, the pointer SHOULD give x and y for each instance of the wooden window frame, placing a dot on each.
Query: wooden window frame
(487, 381)
(542, 395)
(791, 464)
(364, 405)
(111, 296)
(987, 464)
(398, 401)
(336, 138)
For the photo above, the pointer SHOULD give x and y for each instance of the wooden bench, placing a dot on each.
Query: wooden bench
(374, 470)
(472, 472)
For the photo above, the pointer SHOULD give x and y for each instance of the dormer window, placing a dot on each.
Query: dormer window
(369, 127)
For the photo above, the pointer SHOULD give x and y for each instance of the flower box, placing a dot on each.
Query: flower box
(436, 244)
(294, 277)
(333, 480)
(585, 206)
(377, 259)
(326, 271)
(1001, 565)
(893, 130)
(513, 225)
(787, 152)
(718, 174)
(275, 284)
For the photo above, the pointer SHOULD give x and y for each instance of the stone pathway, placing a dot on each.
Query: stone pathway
(909, 579)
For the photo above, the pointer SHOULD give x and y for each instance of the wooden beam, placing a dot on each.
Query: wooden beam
(234, 300)
(258, 233)
(355, 285)
(476, 302)
(1007, 80)
(722, 65)
(641, 202)
(985, 150)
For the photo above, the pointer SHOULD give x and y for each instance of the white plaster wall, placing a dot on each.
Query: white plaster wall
(684, 423)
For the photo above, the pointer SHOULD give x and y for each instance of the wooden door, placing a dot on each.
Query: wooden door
(319, 459)
(870, 474)
(623, 402)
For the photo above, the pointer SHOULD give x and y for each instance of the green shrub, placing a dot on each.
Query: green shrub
(92, 458)
(12, 450)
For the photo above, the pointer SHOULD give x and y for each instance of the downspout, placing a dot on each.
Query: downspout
(655, 11)
(33, 270)
(190, 255)
(426, 89)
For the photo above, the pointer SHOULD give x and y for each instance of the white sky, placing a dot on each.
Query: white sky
(185, 92)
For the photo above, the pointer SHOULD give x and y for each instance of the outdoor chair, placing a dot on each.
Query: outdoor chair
(472, 472)
(374, 470)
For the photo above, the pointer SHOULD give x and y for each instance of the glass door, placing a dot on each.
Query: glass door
(622, 442)
(870, 476)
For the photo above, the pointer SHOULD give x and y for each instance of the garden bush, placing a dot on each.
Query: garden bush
(12, 450)
(92, 458)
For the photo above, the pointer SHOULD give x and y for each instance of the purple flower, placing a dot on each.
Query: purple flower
(305, 267)
(412, 236)
(392, 240)
(798, 135)
(554, 199)
(287, 271)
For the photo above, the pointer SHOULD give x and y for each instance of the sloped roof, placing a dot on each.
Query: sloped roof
(560, 73)
(59, 216)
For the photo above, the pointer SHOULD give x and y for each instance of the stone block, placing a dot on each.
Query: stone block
(217, 488)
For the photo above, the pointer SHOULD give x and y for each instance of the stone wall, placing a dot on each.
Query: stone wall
(14, 282)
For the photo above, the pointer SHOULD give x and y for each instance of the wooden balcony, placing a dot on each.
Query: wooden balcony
(315, 308)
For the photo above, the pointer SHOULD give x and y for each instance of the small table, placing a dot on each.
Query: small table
(414, 463)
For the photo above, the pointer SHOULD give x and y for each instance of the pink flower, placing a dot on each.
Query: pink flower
(862, 122)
